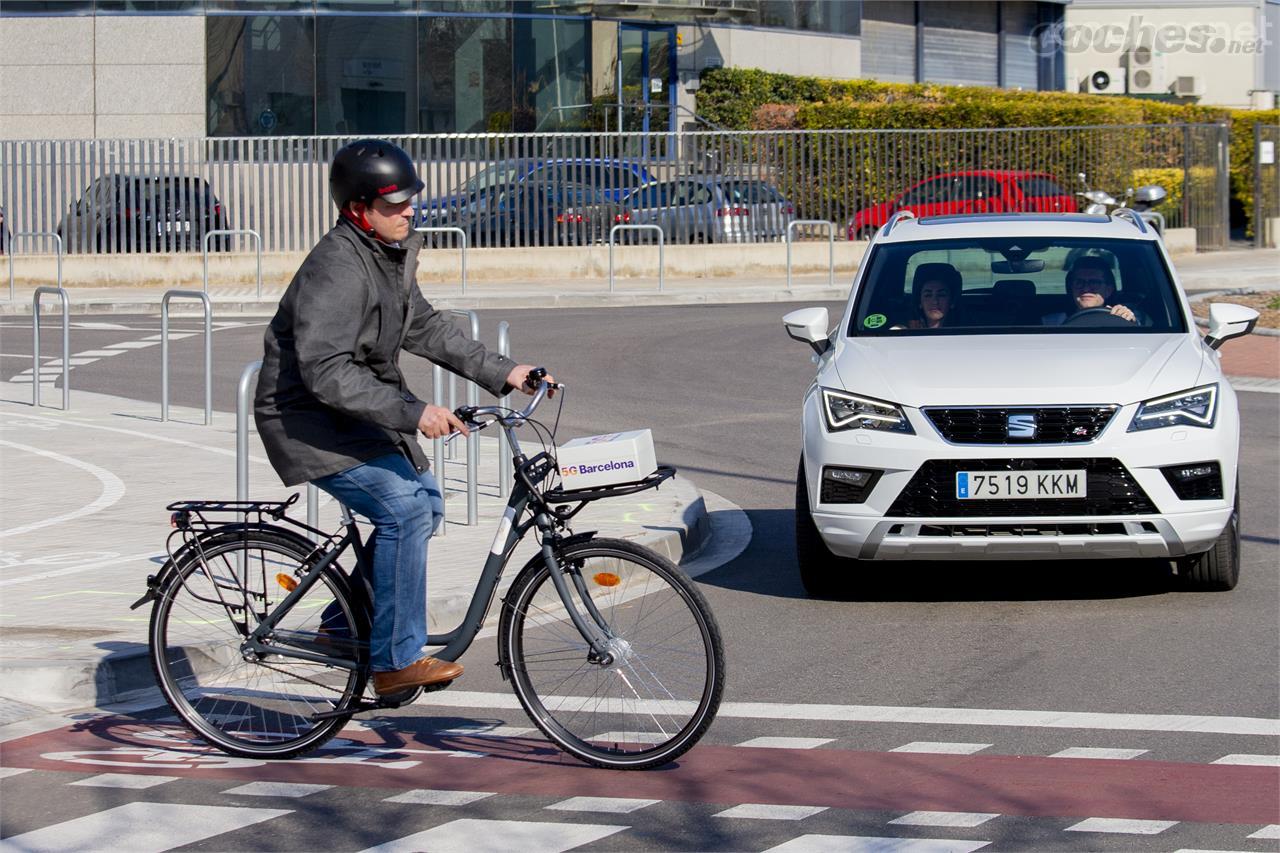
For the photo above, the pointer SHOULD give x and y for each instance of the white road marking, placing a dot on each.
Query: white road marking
(124, 780)
(941, 748)
(112, 490)
(1249, 760)
(6, 772)
(1122, 826)
(630, 737)
(871, 844)
(148, 557)
(134, 344)
(952, 819)
(485, 731)
(499, 836)
(1268, 832)
(604, 805)
(262, 460)
(139, 828)
(1092, 720)
(768, 811)
(1098, 752)
(101, 353)
(277, 789)
(107, 326)
(787, 742)
(430, 797)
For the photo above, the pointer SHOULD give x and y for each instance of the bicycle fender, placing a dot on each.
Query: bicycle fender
(158, 582)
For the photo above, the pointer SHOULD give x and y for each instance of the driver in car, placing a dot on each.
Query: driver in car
(1091, 284)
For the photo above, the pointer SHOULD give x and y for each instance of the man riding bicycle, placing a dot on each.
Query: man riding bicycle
(332, 406)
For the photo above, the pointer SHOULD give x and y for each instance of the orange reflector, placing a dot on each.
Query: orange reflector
(607, 579)
(287, 582)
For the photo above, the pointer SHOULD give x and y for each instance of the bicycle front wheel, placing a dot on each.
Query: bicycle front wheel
(246, 704)
(660, 691)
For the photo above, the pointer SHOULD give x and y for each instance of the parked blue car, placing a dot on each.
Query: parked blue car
(611, 178)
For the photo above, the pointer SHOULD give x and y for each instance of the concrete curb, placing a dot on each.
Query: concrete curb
(119, 676)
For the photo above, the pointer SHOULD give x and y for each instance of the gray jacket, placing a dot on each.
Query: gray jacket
(331, 394)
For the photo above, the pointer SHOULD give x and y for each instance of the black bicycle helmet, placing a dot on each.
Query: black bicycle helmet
(372, 168)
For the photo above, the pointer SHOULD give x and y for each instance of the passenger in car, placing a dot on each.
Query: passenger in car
(1091, 285)
(935, 292)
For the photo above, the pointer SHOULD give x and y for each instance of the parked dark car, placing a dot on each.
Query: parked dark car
(143, 213)
(531, 213)
(710, 209)
(612, 177)
(976, 191)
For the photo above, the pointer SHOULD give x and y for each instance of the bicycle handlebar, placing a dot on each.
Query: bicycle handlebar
(501, 414)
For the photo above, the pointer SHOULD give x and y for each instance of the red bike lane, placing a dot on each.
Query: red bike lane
(1033, 786)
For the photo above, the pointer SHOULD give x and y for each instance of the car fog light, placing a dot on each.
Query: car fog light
(1195, 482)
(847, 485)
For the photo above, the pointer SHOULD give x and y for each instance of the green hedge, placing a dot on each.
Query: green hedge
(749, 99)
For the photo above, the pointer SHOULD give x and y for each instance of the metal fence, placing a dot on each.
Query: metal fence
(1266, 182)
(164, 195)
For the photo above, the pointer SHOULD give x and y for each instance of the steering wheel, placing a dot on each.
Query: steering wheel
(1096, 317)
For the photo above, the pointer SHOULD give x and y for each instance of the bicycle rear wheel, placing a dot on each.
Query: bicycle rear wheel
(660, 692)
(249, 705)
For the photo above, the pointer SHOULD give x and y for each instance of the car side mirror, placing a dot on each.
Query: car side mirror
(1227, 321)
(1150, 194)
(809, 326)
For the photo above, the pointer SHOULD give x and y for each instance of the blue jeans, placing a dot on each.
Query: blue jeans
(406, 508)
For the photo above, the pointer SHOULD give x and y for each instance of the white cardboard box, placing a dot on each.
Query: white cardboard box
(602, 460)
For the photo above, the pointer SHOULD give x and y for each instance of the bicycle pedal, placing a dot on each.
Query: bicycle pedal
(440, 685)
(395, 700)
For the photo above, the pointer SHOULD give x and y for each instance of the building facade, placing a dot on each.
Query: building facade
(1221, 52)
(187, 68)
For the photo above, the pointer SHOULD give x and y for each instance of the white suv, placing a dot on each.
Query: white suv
(1018, 387)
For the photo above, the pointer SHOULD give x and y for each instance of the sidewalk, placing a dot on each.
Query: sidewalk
(1252, 268)
(84, 524)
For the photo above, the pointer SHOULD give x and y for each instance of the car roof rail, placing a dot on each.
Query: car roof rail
(1132, 216)
(895, 219)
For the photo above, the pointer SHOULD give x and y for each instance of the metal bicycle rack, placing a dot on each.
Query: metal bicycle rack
(506, 468)
(473, 444)
(462, 236)
(242, 448)
(831, 247)
(208, 350)
(662, 260)
(231, 232)
(66, 344)
(11, 245)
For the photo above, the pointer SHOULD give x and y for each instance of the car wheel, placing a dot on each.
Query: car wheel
(1217, 569)
(822, 573)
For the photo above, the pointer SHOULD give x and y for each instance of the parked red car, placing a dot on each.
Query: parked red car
(977, 191)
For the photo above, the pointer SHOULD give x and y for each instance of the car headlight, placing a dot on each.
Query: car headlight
(1197, 408)
(849, 411)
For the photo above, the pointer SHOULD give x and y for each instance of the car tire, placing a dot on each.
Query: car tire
(823, 574)
(1217, 569)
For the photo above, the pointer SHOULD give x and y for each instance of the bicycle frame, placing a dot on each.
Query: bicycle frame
(457, 641)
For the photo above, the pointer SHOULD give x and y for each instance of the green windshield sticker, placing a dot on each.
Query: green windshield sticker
(875, 321)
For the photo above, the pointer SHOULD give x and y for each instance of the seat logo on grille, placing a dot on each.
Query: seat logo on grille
(1021, 426)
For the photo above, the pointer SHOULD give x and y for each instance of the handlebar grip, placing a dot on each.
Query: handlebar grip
(534, 377)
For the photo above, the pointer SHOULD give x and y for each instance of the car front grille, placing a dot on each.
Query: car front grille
(1109, 487)
(991, 425)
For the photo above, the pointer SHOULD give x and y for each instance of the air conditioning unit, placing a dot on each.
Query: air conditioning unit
(1188, 86)
(1145, 72)
(1104, 81)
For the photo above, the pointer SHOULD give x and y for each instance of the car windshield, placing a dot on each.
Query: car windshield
(1016, 286)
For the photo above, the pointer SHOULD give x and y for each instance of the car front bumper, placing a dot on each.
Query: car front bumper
(869, 531)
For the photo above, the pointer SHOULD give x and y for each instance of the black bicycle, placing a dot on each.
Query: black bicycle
(259, 636)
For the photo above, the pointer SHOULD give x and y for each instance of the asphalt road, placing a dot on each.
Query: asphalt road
(721, 387)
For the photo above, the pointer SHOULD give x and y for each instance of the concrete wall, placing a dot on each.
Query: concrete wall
(569, 264)
(1226, 62)
(103, 76)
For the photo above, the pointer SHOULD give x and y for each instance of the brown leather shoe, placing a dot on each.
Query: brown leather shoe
(417, 674)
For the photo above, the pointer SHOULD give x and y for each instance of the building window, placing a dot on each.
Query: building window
(261, 75)
(551, 85)
(366, 75)
(20, 8)
(465, 75)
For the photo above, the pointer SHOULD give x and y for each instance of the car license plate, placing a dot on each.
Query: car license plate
(184, 227)
(1020, 484)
